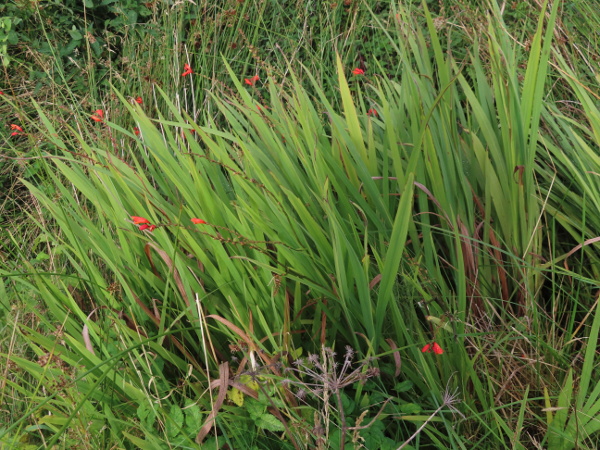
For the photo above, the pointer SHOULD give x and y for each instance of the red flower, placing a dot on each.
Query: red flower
(137, 220)
(17, 130)
(358, 71)
(1, 93)
(372, 112)
(139, 100)
(434, 346)
(98, 116)
(251, 81)
(146, 226)
(187, 70)
(136, 130)
(199, 221)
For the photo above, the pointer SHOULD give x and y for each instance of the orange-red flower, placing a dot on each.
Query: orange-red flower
(199, 221)
(433, 347)
(136, 130)
(17, 130)
(187, 70)
(251, 81)
(139, 100)
(98, 116)
(358, 71)
(372, 112)
(143, 223)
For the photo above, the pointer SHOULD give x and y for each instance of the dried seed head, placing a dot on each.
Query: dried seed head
(299, 362)
(329, 352)
(372, 372)
(301, 394)
(349, 352)
(313, 359)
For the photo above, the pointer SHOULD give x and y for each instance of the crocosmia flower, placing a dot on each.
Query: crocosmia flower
(199, 221)
(16, 129)
(98, 116)
(187, 70)
(372, 112)
(358, 71)
(137, 220)
(251, 81)
(139, 100)
(433, 347)
(143, 223)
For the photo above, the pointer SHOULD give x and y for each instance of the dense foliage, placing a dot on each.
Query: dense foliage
(276, 224)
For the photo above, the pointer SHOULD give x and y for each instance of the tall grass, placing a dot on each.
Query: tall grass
(334, 214)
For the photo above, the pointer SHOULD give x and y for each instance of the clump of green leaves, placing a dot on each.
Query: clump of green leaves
(332, 207)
